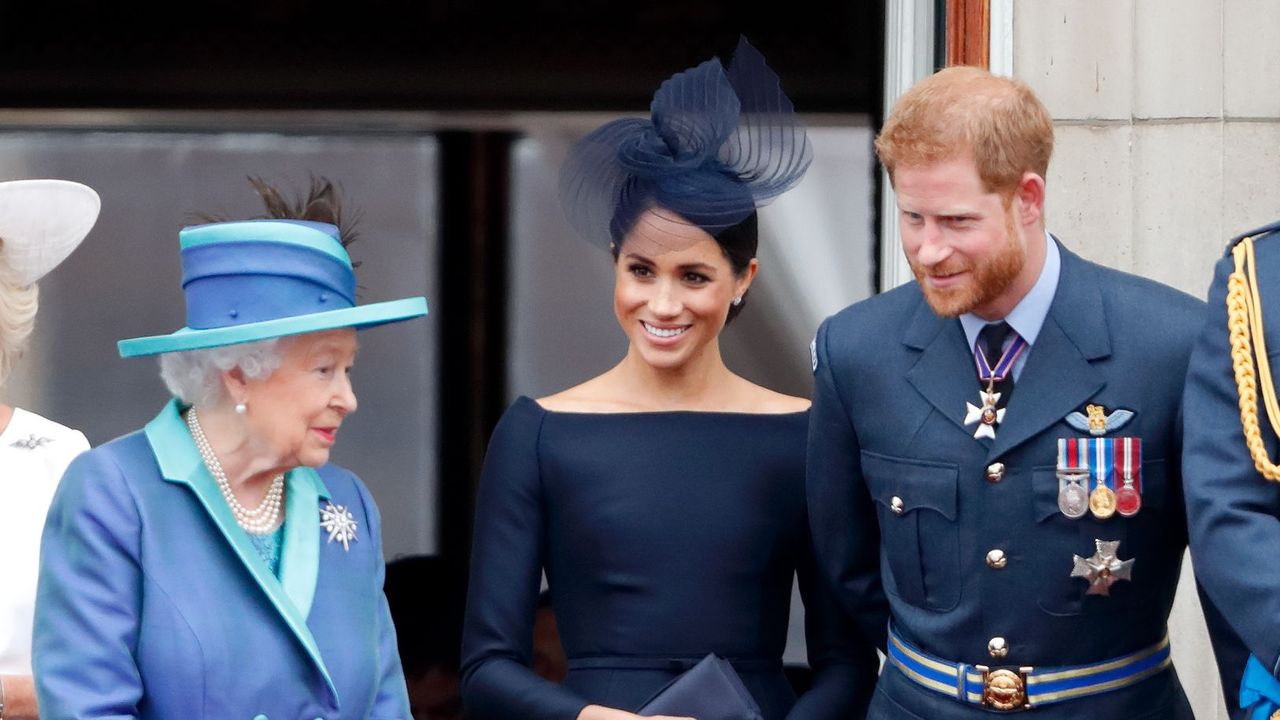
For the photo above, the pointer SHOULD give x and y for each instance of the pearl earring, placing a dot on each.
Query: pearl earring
(737, 301)
(242, 408)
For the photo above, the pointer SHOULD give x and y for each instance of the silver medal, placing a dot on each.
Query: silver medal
(1073, 499)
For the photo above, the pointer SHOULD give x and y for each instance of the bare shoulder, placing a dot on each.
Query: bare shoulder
(760, 399)
(596, 395)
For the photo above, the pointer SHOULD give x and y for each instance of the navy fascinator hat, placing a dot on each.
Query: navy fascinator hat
(718, 144)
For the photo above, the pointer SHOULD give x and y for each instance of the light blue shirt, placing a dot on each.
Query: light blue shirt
(1027, 317)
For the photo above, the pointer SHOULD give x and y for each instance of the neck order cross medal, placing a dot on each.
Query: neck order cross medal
(987, 416)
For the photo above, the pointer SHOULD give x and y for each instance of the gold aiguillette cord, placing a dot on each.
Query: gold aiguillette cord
(1244, 319)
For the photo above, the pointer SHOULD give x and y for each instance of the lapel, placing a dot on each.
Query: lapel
(944, 373)
(292, 594)
(1059, 376)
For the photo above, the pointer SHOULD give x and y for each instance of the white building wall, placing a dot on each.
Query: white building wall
(1168, 143)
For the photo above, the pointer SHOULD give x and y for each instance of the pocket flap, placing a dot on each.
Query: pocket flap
(917, 484)
(1044, 485)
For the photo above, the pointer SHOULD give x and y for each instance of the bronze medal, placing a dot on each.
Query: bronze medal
(1128, 500)
(1129, 459)
(1102, 502)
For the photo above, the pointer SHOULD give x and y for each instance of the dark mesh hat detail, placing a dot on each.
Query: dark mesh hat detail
(718, 144)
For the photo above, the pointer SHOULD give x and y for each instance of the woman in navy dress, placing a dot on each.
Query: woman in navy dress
(665, 498)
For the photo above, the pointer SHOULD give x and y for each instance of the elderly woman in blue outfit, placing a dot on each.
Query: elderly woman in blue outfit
(664, 499)
(213, 564)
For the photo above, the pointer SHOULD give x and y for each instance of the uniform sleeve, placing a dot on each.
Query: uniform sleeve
(89, 597)
(391, 702)
(1231, 510)
(842, 516)
(844, 661)
(506, 573)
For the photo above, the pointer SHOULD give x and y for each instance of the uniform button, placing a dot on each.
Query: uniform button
(895, 504)
(996, 559)
(995, 472)
(997, 647)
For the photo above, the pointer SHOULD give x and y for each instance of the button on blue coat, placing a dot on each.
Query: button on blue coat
(152, 604)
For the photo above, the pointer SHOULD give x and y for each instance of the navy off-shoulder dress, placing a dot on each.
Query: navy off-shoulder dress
(664, 536)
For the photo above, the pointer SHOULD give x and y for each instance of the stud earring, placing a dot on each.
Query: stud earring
(737, 301)
(242, 408)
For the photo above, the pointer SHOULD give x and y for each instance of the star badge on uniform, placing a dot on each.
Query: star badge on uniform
(1103, 569)
(339, 523)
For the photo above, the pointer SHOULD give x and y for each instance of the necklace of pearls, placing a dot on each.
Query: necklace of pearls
(261, 520)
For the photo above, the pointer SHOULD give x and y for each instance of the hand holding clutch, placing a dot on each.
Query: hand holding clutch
(710, 690)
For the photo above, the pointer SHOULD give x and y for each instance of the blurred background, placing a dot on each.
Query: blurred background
(445, 123)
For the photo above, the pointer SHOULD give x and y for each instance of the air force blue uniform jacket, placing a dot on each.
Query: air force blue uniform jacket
(1232, 511)
(960, 541)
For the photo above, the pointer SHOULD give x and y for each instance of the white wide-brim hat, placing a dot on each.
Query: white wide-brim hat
(41, 222)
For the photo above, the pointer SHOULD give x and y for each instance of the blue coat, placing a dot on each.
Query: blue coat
(152, 602)
(1232, 511)
(904, 514)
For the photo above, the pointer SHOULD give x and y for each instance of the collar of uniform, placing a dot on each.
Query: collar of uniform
(1027, 317)
(291, 594)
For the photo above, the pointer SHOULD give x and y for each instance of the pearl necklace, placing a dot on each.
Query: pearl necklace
(261, 520)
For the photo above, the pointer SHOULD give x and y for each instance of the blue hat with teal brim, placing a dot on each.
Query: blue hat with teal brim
(260, 279)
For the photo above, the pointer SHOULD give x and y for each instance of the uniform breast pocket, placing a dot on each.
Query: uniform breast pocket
(1059, 538)
(916, 505)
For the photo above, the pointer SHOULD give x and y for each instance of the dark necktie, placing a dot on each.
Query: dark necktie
(991, 341)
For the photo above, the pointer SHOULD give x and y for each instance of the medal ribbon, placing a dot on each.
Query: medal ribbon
(1004, 365)
(1070, 456)
(1102, 451)
(1133, 461)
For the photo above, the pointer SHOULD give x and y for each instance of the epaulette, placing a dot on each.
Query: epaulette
(1265, 230)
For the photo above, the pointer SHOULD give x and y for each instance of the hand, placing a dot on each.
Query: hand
(599, 712)
(19, 697)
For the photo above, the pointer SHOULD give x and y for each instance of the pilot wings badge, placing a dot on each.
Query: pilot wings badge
(1098, 422)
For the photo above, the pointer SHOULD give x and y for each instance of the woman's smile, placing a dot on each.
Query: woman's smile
(664, 334)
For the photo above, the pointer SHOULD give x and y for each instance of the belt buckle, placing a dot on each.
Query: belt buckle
(1004, 689)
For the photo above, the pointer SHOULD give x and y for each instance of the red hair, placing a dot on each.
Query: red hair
(999, 121)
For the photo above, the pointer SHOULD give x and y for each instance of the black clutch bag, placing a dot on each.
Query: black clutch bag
(710, 690)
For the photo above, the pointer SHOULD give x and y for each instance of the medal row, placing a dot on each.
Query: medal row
(1102, 476)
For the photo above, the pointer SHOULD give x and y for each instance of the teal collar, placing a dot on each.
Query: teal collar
(293, 592)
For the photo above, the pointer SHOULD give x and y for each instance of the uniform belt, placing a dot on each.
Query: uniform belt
(1023, 687)
(668, 664)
